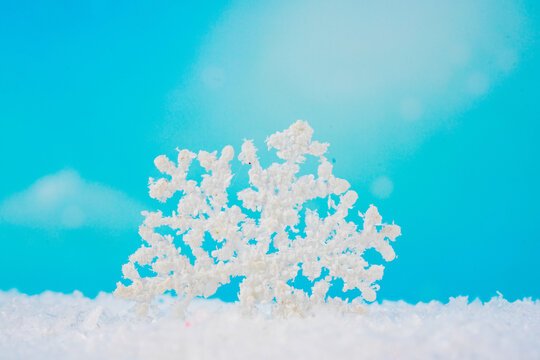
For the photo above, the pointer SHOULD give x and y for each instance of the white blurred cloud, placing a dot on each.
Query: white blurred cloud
(411, 109)
(382, 187)
(65, 200)
(478, 84)
(213, 77)
(389, 72)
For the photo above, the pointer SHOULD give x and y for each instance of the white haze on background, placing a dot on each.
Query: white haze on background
(375, 78)
(64, 200)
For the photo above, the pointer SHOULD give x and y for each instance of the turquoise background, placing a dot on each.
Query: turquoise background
(103, 88)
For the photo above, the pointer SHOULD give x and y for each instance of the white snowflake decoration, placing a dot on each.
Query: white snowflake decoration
(268, 251)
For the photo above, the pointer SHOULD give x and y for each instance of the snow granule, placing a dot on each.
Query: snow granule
(59, 326)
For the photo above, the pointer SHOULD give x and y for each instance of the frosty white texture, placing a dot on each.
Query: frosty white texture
(58, 326)
(267, 251)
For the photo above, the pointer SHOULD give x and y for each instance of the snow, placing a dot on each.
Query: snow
(266, 244)
(59, 326)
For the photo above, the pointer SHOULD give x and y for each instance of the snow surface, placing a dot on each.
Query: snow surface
(58, 326)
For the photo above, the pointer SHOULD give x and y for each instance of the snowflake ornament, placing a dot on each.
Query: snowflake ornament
(267, 250)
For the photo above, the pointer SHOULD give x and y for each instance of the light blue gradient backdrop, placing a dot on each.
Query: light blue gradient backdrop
(102, 88)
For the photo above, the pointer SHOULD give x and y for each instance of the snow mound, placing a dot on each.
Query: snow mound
(58, 326)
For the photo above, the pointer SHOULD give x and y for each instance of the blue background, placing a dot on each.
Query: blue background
(103, 88)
